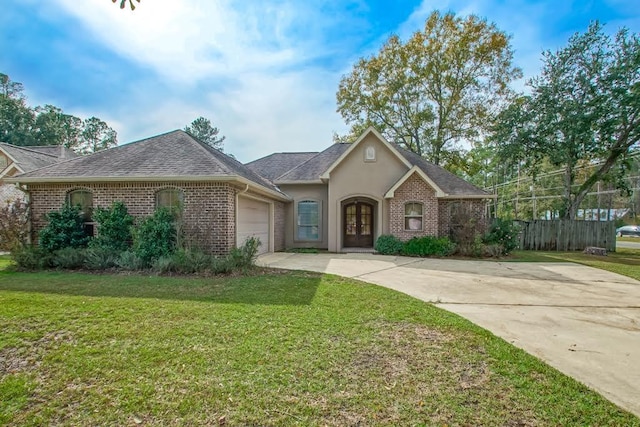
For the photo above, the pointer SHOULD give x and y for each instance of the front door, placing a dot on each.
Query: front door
(358, 225)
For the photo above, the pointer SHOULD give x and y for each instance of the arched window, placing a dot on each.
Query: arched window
(170, 198)
(84, 200)
(308, 223)
(413, 216)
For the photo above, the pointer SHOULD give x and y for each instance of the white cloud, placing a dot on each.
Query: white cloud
(240, 61)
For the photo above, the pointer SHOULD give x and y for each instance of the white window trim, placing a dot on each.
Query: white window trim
(420, 216)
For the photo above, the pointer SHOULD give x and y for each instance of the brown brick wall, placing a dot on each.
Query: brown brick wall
(469, 208)
(279, 210)
(209, 207)
(414, 189)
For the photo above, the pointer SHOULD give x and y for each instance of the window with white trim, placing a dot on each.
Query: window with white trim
(413, 216)
(308, 223)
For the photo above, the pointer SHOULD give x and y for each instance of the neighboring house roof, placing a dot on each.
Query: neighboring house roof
(174, 155)
(29, 158)
(319, 166)
(276, 164)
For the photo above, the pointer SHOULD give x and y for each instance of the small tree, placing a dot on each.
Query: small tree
(65, 230)
(202, 129)
(114, 228)
(14, 228)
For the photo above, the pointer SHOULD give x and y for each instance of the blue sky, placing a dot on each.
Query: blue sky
(265, 72)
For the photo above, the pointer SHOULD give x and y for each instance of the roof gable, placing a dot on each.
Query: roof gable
(414, 170)
(352, 146)
(277, 164)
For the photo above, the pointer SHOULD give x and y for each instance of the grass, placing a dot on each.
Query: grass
(623, 261)
(628, 239)
(279, 348)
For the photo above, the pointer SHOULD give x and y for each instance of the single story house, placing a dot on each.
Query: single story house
(15, 160)
(341, 198)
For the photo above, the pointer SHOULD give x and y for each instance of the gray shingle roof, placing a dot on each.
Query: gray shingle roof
(315, 166)
(451, 184)
(276, 164)
(31, 158)
(174, 154)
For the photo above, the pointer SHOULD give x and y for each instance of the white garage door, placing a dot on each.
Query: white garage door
(253, 220)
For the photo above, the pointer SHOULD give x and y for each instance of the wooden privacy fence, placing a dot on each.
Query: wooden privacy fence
(566, 235)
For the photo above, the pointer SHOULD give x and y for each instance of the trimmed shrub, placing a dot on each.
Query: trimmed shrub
(429, 246)
(31, 258)
(183, 261)
(64, 230)
(114, 228)
(128, 260)
(155, 237)
(388, 244)
(69, 258)
(100, 258)
(503, 232)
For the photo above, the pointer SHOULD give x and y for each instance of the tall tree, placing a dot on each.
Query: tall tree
(434, 91)
(96, 135)
(53, 127)
(202, 129)
(584, 109)
(16, 118)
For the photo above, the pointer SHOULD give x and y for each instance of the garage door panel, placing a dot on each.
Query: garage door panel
(253, 221)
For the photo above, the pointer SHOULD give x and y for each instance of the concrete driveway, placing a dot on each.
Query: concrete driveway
(583, 321)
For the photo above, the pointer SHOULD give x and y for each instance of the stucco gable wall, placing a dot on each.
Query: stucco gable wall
(355, 177)
(209, 208)
(414, 189)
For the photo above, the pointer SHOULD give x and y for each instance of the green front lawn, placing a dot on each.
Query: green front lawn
(279, 348)
(623, 261)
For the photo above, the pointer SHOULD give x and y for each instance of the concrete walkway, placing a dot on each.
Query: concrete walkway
(583, 321)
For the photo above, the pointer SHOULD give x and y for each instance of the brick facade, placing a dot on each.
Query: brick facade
(209, 207)
(414, 189)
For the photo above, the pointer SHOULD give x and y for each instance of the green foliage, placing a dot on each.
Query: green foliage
(433, 91)
(584, 110)
(244, 256)
(429, 246)
(97, 258)
(31, 258)
(129, 260)
(69, 258)
(202, 129)
(504, 233)
(114, 228)
(64, 230)
(183, 261)
(155, 236)
(388, 244)
(23, 125)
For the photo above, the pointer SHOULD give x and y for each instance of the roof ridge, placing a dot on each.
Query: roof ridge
(25, 148)
(301, 164)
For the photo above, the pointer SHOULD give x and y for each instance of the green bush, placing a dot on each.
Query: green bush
(129, 260)
(31, 258)
(503, 232)
(388, 244)
(183, 261)
(114, 228)
(69, 258)
(155, 237)
(64, 230)
(97, 258)
(222, 265)
(429, 246)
